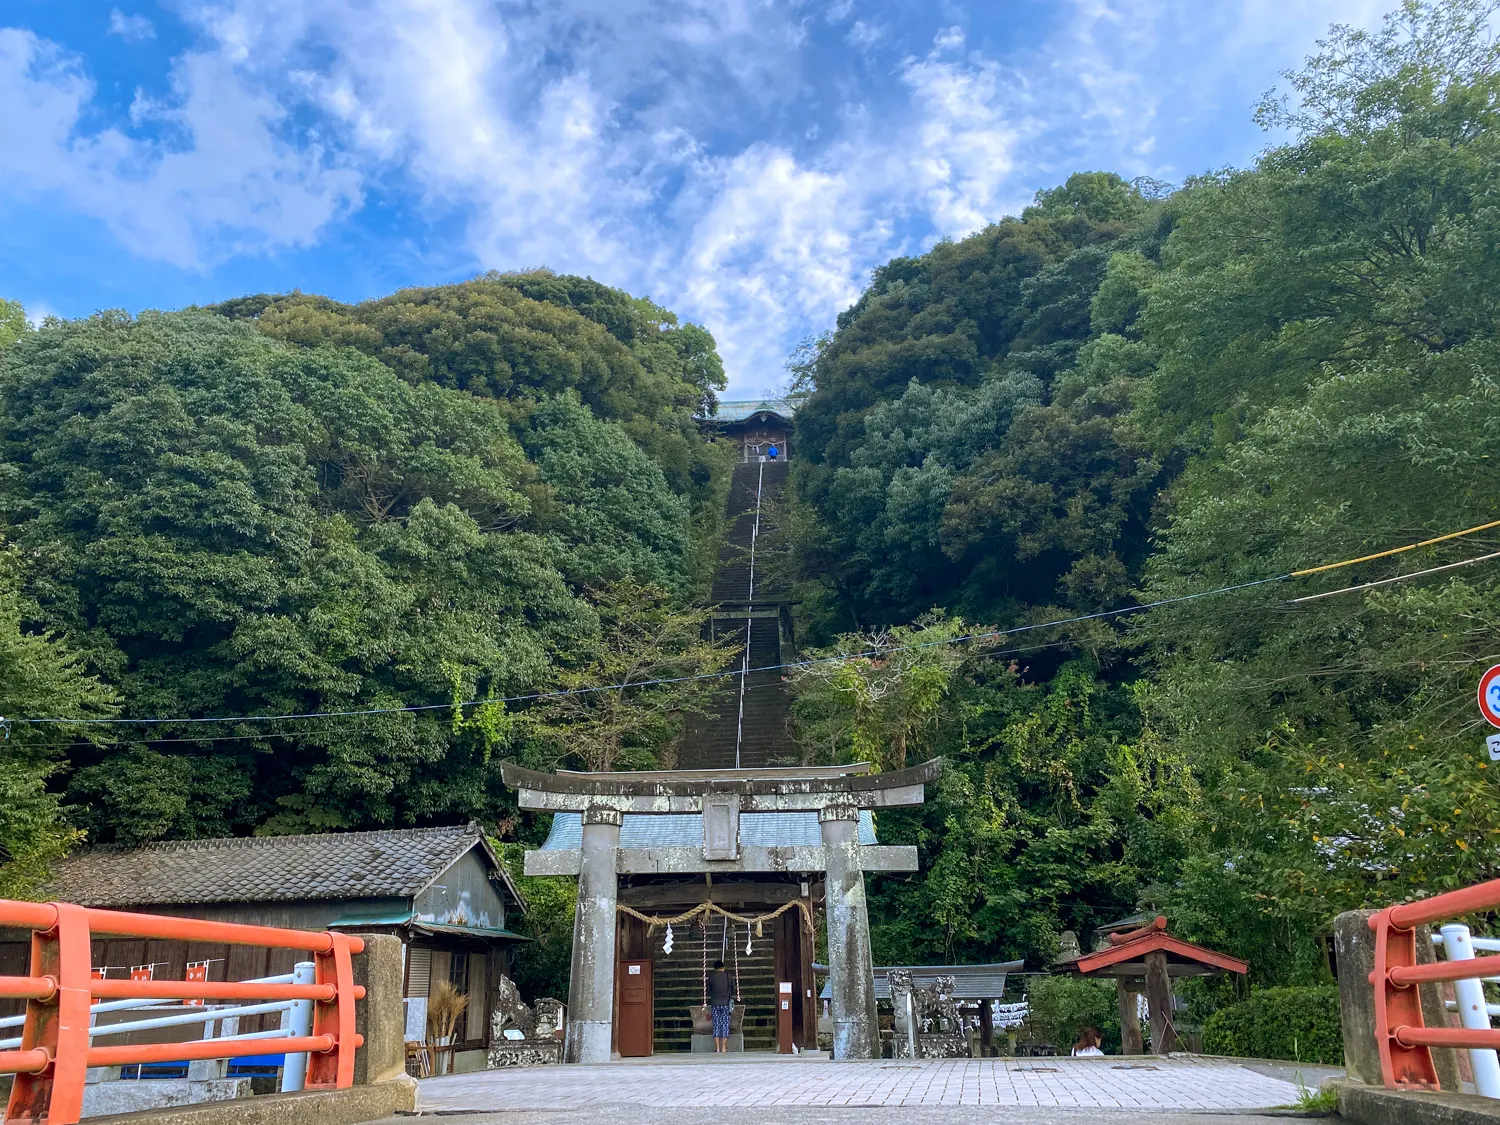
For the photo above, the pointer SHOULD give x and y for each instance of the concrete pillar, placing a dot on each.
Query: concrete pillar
(1159, 1004)
(592, 992)
(856, 1034)
(1354, 948)
(380, 1017)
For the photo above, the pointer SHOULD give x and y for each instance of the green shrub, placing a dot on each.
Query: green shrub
(1061, 1007)
(1279, 1023)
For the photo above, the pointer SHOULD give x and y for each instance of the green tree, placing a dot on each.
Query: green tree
(621, 692)
(522, 339)
(877, 698)
(12, 322)
(1336, 375)
(39, 675)
(1268, 369)
(224, 525)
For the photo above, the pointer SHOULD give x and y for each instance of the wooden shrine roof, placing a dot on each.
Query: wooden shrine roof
(1125, 956)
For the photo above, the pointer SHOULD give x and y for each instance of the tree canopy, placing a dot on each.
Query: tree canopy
(285, 506)
(412, 515)
(1128, 394)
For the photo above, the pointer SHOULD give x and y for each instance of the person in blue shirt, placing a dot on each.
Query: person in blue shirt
(772, 453)
(720, 997)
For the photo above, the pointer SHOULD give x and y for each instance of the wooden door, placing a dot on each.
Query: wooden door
(637, 1007)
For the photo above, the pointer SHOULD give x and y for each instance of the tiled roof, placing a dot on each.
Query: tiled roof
(739, 410)
(973, 982)
(664, 830)
(335, 865)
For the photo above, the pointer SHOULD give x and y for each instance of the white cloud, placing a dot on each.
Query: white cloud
(132, 29)
(779, 245)
(963, 155)
(862, 36)
(37, 312)
(220, 179)
(949, 39)
(619, 137)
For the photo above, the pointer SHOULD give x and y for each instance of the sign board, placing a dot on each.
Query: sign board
(1489, 696)
(197, 972)
(1493, 742)
(633, 970)
(416, 1018)
(721, 825)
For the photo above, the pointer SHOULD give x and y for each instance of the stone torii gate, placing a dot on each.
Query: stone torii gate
(835, 793)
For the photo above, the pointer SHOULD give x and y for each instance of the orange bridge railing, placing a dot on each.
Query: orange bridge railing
(55, 1052)
(1404, 1041)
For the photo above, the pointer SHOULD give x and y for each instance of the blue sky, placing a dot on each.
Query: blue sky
(743, 162)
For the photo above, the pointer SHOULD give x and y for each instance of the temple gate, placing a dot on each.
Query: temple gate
(744, 843)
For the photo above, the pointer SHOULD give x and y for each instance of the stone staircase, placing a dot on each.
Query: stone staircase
(709, 743)
(679, 985)
(732, 578)
(766, 739)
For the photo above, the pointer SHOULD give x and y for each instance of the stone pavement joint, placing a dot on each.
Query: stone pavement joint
(1105, 1083)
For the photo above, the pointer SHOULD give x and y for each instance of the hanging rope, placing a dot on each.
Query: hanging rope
(708, 909)
(736, 962)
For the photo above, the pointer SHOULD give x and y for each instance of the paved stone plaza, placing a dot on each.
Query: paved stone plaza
(1112, 1083)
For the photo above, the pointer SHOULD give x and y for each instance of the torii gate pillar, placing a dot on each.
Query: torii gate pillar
(856, 1032)
(835, 793)
(591, 993)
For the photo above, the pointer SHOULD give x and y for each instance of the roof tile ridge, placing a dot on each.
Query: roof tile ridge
(268, 841)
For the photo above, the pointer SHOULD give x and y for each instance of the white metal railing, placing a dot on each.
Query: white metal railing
(296, 1021)
(1474, 1012)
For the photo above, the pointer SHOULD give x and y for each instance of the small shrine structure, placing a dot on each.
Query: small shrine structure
(934, 1007)
(691, 843)
(1146, 960)
(757, 424)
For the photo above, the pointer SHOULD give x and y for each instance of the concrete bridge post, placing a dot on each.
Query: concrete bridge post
(856, 1033)
(592, 992)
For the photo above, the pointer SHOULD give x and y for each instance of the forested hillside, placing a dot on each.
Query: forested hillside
(1129, 393)
(286, 505)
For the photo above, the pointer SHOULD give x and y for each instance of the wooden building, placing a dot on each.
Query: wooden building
(757, 424)
(443, 891)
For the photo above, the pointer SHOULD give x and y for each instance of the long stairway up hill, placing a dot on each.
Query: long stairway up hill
(761, 736)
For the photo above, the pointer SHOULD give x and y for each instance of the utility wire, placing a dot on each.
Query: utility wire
(1398, 578)
(1395, 550)
(882, 650)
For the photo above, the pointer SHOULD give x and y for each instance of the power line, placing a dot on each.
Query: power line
(882, 650)
(1395, 550)
(661, 681)
(1397, 578)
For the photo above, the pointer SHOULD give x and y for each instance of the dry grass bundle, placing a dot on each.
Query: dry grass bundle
(445, 1007)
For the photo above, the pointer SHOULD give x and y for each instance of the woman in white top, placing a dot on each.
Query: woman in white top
(1088, 1044)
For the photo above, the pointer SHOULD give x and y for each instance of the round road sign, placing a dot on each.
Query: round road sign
(1489, 696)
